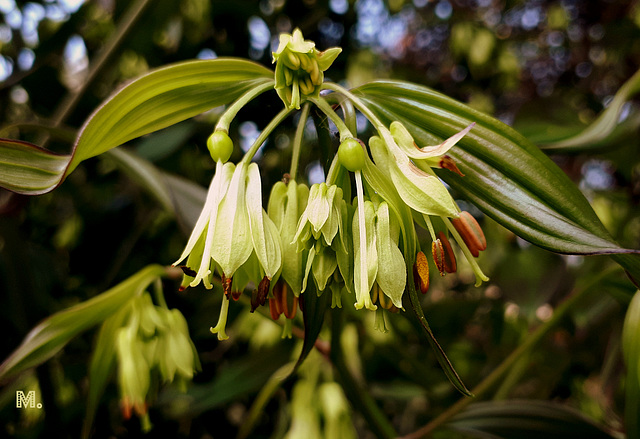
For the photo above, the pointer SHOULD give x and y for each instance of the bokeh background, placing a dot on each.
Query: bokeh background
(548, 68)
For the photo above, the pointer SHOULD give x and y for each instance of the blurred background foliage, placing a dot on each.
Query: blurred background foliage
(546, 68)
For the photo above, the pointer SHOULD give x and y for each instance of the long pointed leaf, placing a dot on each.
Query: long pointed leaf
(53, 333)
(506, 176)
(525, 420)
(154, 101)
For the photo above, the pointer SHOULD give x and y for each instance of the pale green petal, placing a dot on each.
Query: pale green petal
(392, 271)
(324, 264)
(214, 195)
(223, 185)
(405, 141)
(326, 58)
(232, 243)
(264, 234)
(365, 255)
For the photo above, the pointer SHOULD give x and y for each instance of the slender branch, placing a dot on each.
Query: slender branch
(297, 141)
(494, 377)
(231, 112)
(324, 106)
(265, 133)
(71, 100)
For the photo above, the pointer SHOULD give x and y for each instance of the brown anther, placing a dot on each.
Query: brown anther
(286, 178)
(235, 295)
(125, 408)
(289, 302)
(278, 292)
(447, 162)
(421, 273)
(263, 290)
(188, 271)
(254, 301)
(226, 285)
(375, 291)
(443, 255)
(383, 300)
(394, 309)
(273, 308)
(470, 232)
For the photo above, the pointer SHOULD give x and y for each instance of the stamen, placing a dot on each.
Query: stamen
(447, 163)
(448, 257)
(421, 273)
(222, 320)
(470, 232)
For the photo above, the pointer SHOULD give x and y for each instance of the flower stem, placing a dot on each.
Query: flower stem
(265, 133)
(494, 377)
(231, 112)
(324, 106)
(297, 141)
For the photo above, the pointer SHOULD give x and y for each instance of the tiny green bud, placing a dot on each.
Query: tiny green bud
(220, 146)
(351, 155)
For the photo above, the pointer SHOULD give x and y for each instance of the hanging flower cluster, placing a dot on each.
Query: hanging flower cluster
(320, 237)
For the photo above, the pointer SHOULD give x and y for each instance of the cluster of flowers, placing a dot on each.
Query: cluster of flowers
(152, 343)
(366, 246)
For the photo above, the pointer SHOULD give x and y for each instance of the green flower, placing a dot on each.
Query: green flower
(379, 260)
(319, 225)
(300, 67)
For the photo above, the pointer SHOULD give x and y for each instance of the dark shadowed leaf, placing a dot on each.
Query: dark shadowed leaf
(525, 420)
(631, 351)
(53, 333)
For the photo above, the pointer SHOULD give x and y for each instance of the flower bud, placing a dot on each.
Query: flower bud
(220, 146)
(351, 155)
(299, 67)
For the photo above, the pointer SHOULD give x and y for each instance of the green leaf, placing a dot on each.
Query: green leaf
(313, 310)
(525, 420)
(506, 176)
(154, 101)
(28, 169)
(604, 125)
(631, 351)
(53, 333)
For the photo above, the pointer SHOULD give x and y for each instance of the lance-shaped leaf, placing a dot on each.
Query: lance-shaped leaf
(631, 351)
(603, 126)
(506, 176)
(525, 420)
(53, 333)
(154, 101)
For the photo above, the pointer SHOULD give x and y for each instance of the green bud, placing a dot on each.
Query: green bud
(220, 146)
(299, 67)
(351, 155)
